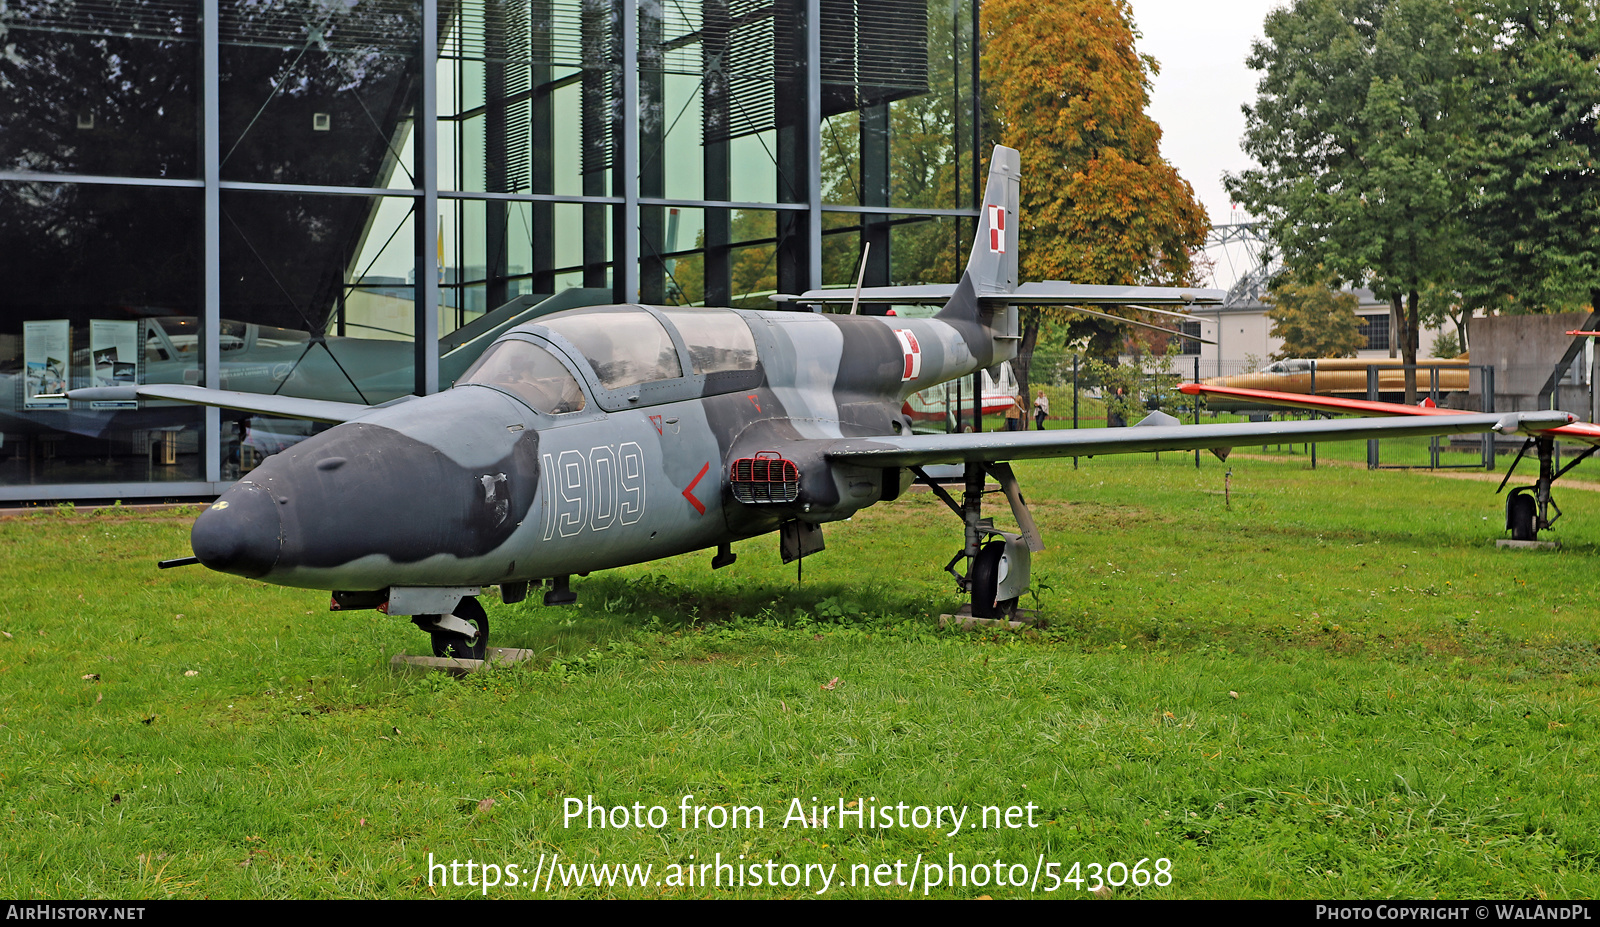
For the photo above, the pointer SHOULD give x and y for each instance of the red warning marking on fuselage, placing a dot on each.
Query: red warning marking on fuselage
(912, 352)
(656, 421)
(688, 491)
(752, 398)
(997, 229)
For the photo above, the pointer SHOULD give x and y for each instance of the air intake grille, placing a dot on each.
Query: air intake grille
(765, 478)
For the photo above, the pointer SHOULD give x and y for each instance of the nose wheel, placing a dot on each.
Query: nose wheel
(458, 646)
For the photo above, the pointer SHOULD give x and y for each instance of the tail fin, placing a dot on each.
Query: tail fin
(993, 262)
(992, 266)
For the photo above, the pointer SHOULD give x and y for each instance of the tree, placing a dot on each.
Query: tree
(1099, 204)
(1313, 319)
(1535, 71)
(1357, 129)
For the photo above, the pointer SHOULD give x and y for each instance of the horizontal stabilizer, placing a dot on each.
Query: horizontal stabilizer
(317, 410)
(920, 450)
(1048, 292)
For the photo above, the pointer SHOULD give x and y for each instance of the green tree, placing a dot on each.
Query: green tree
(1535, 241)
(1446, 346)
(1357, 129)
(1099, 204)
(1313, 319)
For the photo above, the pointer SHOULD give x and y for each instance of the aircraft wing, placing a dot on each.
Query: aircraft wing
(920, 450)
(317, 410)
(1584, 432)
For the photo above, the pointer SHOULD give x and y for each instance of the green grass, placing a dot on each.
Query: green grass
(1334, 686)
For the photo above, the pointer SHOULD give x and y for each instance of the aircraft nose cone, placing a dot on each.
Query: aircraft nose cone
(240, 533)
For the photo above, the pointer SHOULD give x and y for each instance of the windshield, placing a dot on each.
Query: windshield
(529, 373)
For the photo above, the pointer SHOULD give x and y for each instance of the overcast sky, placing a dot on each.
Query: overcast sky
(1201, 48)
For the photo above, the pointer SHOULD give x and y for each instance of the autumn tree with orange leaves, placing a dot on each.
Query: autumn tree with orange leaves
(1099, 204)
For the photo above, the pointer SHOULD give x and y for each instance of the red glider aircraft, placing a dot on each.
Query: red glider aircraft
(1528, 508)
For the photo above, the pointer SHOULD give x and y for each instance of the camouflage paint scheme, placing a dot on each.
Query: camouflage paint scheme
(472, 486)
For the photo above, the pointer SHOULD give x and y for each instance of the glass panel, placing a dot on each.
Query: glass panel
(898, 128)
(527, 97)
(912, 250)
(96, 276)
(332, 280)
(495, 251)
(530, 373)
(753, 175)
(319, 93)
(673, 84)
(735, 261)
(717, 339)
(925, 250)
(670, 243)
(922, 124)
(840, 155)
(841, 248)
(103, 88)
(569, 246)
(625, 346)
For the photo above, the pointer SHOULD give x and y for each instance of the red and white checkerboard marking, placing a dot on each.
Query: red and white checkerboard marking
(997, 229)
(912, 352)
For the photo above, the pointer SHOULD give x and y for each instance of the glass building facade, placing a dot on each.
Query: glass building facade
(334, 198)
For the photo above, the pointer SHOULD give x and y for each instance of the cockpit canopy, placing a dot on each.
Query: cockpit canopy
(530, 373)
(630, 356)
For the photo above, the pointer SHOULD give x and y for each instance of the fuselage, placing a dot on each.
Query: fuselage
(590, 439)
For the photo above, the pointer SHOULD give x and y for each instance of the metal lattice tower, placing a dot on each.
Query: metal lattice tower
(1248, 254)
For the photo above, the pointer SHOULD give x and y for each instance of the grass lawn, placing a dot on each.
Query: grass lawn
(1331, 686)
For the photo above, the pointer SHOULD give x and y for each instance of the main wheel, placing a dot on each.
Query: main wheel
(1520, 513)
(987, 571)
(451, 644)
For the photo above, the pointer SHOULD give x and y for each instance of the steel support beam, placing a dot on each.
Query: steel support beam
(425, 130)
(211, 173)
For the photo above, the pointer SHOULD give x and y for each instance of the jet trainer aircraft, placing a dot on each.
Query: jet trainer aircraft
(605, 436)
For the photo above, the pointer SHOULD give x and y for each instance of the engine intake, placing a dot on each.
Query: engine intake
(765, 478)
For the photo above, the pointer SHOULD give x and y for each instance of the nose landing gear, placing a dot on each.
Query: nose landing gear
(451, 642)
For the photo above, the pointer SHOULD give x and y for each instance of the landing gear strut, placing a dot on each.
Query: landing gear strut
(1529, 508)
(997, 562)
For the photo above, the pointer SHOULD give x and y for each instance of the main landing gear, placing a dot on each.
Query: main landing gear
(1529, 508)
(997, 562)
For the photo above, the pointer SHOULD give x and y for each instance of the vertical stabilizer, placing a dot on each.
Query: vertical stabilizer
(992, 266)
(993, 262)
